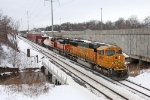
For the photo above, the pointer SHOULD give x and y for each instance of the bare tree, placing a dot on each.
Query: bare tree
(15, 26)
(133, 21)
(147, 21)
(109, 25)
(4, 25)
(127, 24)
(120, 23)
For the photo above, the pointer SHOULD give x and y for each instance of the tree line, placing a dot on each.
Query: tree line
(121, 23)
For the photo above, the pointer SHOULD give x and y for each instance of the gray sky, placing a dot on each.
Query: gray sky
(73, 10)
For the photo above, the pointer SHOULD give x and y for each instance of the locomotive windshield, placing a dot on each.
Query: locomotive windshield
(110, 52)
(118, 51)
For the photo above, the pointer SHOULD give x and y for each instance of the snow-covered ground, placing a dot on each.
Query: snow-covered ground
(142, 79)
(63, 92)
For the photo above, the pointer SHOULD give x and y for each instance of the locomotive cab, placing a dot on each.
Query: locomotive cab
(112, 62)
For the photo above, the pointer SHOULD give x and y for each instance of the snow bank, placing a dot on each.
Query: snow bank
(22, 92)
(142, 79)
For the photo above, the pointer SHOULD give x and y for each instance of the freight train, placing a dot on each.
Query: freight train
(105, 59)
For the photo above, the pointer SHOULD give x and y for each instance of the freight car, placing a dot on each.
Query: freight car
(106, 59)
(36, 38)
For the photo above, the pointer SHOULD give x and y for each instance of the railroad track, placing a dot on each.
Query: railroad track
(131, 86)
(124, 82)
(138, 85)
(94, 84)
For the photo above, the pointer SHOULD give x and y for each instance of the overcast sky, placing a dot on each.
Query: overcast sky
(72, 10)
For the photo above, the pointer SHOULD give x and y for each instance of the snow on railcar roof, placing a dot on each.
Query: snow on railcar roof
(87, 41)
(50, 37)
(103, 43)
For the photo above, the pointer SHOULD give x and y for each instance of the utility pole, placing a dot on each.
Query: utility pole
(101, 20)
(28, 20)
(51, 15)
(60, 24)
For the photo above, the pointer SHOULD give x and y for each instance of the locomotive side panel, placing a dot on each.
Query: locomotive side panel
(67, 47)
(90, 54)
(74, 50)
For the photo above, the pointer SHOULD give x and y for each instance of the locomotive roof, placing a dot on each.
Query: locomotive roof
(60, 40)
(103, 47)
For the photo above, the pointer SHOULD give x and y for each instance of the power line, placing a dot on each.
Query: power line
(44, 17)
(40, 12)
(32, 5)
(66, 2)
(63, 4)
(36, 7)
(54, 9)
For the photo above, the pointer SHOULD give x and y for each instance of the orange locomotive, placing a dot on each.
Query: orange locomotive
(105, 59)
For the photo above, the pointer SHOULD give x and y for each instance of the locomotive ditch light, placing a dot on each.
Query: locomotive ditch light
(119, 57)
